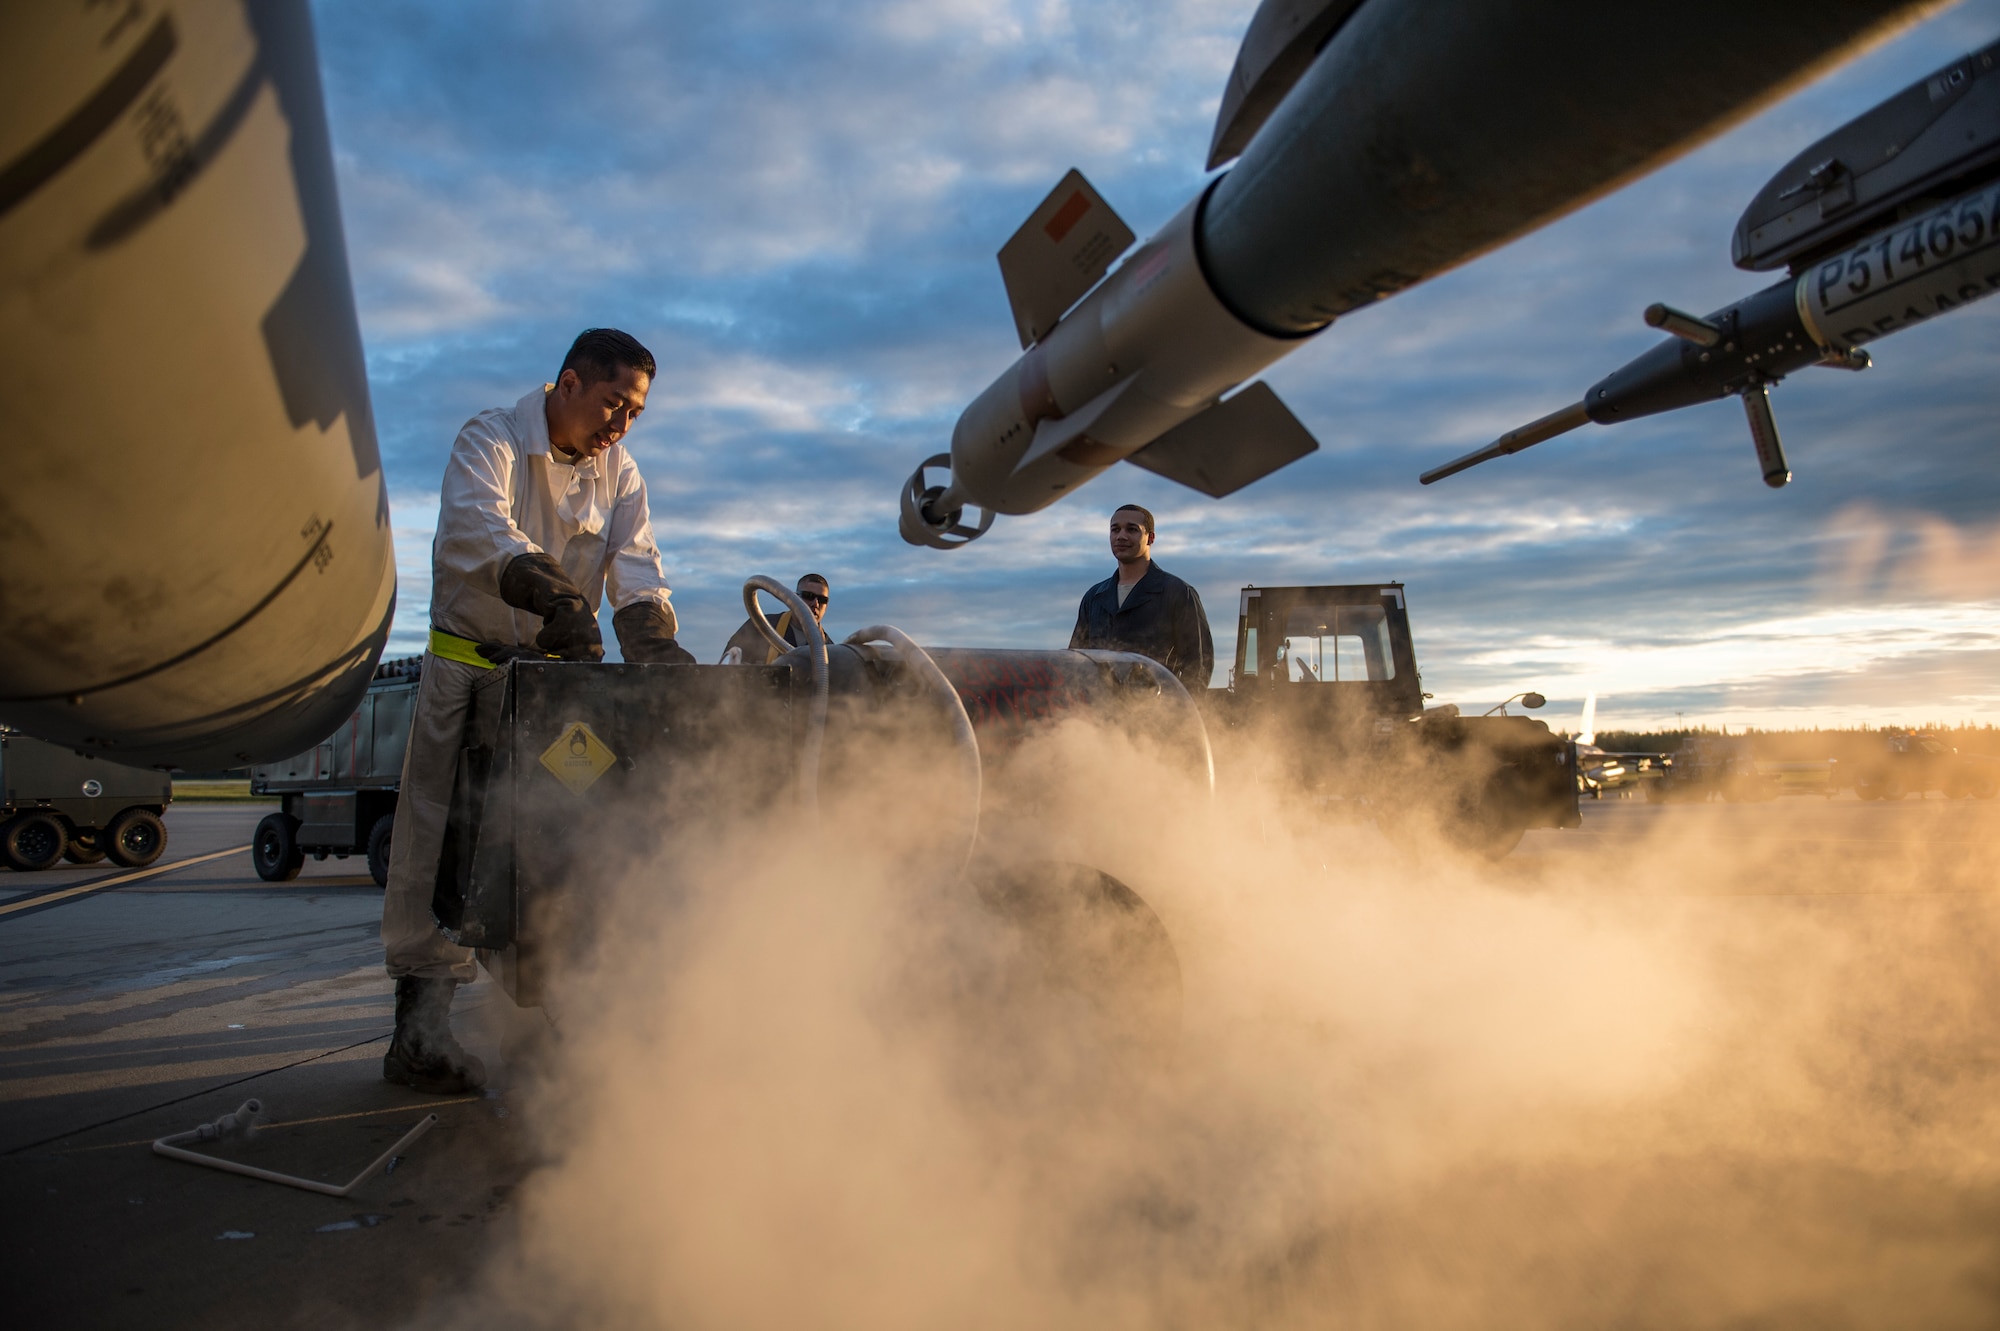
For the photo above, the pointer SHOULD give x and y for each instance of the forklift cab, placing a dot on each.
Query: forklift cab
(1348, 646)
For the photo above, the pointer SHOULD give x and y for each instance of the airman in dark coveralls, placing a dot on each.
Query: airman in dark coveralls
(1145, 609)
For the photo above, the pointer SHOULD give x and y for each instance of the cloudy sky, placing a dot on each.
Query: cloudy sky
(796, 206)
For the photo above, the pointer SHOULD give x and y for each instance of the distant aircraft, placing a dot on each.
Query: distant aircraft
(1599, 770)
(1380, 143)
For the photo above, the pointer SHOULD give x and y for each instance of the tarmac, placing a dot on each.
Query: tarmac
(134, 1006)
(143, 1009)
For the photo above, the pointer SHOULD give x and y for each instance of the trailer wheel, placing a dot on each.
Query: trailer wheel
(85, 847)
(31, 842)
(1084, 984)
(378, 848)
(275, 849)
(135, 838)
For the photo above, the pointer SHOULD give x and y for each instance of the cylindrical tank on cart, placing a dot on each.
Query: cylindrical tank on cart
(1010, 696)
(195, 558)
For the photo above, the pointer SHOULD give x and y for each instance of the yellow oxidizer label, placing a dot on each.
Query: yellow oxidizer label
(578, 757)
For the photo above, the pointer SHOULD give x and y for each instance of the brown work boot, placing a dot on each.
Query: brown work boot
(422, 1053)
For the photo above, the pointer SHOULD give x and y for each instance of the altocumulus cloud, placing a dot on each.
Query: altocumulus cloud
(796, 206)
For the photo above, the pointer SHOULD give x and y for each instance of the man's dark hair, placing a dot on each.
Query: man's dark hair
(819, 578)
(1145, 515)
(599, 353)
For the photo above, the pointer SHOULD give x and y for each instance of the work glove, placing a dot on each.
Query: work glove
(645, 632)
(536, 583)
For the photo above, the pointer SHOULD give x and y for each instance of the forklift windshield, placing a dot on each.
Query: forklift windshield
(1336, 644)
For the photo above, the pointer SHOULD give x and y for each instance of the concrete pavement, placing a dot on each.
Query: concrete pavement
(148, 1008)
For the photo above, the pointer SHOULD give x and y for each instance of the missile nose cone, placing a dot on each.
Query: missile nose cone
(933, 515)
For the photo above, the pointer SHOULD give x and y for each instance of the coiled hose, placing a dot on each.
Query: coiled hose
(821, 673)
(964, 741)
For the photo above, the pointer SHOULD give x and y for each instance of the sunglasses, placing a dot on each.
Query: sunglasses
(812, 598)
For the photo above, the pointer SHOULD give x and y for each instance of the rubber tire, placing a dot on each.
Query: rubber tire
(1073, 940)
(378, 849)
(135, 838)
(31, 842)
(85, 847)
(274, 849)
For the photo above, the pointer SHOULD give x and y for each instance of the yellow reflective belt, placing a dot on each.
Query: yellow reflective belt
(453, 648)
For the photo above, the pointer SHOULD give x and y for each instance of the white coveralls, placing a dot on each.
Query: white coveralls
(506, 493)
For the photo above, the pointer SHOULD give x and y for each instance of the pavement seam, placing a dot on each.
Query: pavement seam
(193, 1095)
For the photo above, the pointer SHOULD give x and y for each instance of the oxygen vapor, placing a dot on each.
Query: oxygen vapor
(813, 1080)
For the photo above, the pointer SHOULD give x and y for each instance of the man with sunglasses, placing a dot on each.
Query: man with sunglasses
(748, 645)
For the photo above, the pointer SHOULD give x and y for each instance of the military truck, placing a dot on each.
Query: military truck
(1922, 762)
(56, 804)
(338, 798)
(1325, 698)
(1707, 766)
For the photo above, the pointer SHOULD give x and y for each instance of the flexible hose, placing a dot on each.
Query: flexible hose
(964, 740)
(821, 675)
(1195, 730)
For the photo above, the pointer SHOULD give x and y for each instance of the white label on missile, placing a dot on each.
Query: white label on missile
(1926, 266)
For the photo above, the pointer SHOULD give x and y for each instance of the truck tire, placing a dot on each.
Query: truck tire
(1488, 822)
(85, 847)
(31, 842)
(274, 849)
(1490, 841)
(135, 838)
(378, 848)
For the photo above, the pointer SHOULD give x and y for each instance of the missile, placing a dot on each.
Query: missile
(1889, 221)
(1380, 142)
(195, 557)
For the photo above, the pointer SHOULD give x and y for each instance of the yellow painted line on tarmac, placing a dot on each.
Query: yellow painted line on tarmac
(118, 880)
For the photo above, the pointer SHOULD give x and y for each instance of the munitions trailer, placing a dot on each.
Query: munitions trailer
(56, 804)
(338, 798)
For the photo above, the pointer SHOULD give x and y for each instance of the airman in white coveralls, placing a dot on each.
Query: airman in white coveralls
(543, 515)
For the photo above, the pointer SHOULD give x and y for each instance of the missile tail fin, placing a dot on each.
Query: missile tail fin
(1059, 254)
(1238, 440)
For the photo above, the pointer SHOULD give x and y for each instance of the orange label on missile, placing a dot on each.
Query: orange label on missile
(1066, 217)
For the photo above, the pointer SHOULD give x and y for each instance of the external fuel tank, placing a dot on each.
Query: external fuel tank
(195, 557)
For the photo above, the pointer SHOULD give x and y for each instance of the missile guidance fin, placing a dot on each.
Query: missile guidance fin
(1058, 255)
(1239, 440)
